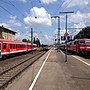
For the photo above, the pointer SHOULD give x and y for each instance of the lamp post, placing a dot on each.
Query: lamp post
(66, 34)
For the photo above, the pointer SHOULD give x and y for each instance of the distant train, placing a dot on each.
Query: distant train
(8, 47)
(81, 46)
(46, 47)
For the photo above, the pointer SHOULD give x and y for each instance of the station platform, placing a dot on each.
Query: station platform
(56, 74)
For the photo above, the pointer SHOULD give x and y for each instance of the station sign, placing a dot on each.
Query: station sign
(64, 37)
(66, 34)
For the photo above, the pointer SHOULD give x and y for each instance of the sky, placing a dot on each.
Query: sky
(22, 15)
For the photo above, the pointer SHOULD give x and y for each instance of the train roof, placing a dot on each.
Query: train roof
(83, 39)
(11, 41)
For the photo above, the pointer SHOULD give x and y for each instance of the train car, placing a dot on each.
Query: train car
(8, 47)
(45, 47)
(72, 46)
(81, 46)
(63, 46)
(34, 46)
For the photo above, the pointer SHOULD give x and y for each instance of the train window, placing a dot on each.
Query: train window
(14, 46)
(18, 45)
(4, 45)
(11, 46)
(82, 41)
(70, 43)
(74, 42)
(87, 41)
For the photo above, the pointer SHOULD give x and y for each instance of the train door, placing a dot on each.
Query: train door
(76, 45)
(4, 48)
(0, 50)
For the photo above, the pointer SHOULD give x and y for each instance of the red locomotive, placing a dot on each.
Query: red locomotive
(8, 47)
(81, 46)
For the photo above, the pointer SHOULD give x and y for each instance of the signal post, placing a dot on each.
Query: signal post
(58, 28)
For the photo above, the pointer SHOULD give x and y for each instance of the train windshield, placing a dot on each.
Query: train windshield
(0, 46)
(82, 41)
(87, 41)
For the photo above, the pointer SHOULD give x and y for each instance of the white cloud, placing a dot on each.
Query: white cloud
(36, 35)
(43, 17)
(79, 17)
(18, 35)
(47, 1)
(5, 25)
(47, 39)
(13, 21)
(79, 27)
(22, 1)
(72, 3)
(27, 27)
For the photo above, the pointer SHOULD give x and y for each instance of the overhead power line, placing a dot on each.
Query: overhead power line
(11, 14)
(67, 4)
(59, 7)
(10, 3)
(16, 8)
(44, 7)
(5, 2)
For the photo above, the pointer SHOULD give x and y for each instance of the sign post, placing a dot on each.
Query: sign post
(66, 35)
(66, 32)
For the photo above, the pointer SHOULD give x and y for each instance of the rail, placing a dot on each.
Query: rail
(9, 74)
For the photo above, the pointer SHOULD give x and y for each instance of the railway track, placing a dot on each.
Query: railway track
(10, 73)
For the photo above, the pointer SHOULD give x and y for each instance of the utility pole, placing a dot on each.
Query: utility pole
(32, 39)
(58, 28)
(66, 34)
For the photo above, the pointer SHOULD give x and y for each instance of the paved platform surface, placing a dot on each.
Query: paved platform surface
(56, 74)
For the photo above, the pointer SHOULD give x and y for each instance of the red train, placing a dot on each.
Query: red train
(8, 47)
(81, 46)
(46, 47)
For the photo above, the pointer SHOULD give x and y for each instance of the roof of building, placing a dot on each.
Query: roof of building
(2, 27)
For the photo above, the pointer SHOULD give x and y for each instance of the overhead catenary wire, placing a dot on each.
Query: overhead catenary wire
(10, 3)
(5, 2)
(40, 3)
(16, 8)
(11, 13)
(59, 7)
(67, 4)
(44, 7)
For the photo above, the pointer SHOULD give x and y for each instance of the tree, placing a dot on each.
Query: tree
(37, 42)
(34, 40)
(28, 41)
(85, 33)
(24, 40)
